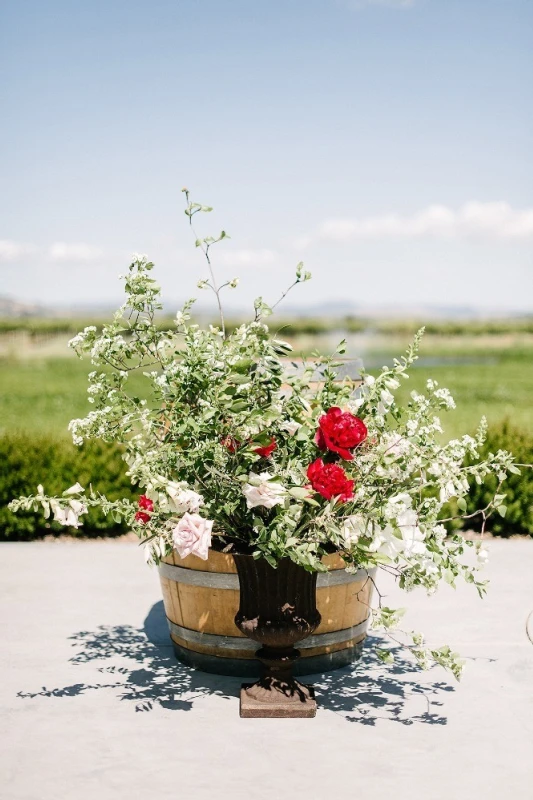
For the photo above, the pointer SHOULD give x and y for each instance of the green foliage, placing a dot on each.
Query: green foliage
(518, 488)
(26, 461)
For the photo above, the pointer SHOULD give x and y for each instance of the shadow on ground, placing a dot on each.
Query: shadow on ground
(148, 674)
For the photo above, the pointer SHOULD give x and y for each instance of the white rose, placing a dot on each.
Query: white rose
(260, 491)
(291, 426)
(192, 536)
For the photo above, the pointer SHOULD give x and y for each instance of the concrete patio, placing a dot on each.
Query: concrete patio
(94, 705)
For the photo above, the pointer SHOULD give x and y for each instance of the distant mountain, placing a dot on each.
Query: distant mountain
(341, 309)
(9, 307)
(15, 308)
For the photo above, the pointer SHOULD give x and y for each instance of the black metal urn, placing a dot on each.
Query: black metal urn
(277, 609)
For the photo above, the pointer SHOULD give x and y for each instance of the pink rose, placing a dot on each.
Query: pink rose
(192, 536)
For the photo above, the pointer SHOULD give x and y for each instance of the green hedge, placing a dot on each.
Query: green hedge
(26, 461)
(518, 488)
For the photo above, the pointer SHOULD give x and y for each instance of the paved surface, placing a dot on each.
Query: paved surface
(94, 706)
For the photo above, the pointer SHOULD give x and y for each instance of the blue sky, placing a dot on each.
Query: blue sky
(385, 143)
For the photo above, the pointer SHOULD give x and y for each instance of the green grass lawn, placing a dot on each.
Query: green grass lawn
(494, 378)
(42, 394)
(501, 391)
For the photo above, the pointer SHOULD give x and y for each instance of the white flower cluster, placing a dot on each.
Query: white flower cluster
(66, 511)
(94, 425)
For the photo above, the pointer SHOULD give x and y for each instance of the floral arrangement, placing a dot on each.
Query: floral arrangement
(236, 448)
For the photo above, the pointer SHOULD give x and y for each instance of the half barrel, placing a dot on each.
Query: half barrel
(201, 599)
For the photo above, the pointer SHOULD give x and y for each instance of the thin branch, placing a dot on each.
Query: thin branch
(205, 250)
(285, 293)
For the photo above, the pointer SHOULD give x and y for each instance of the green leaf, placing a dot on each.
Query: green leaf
(385, 656)
(235, 377)
(502, 510)
(239, 405)
(299, 492)
(243, 365)
(461, 504)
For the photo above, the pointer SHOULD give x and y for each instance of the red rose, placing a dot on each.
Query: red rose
(340, 431)
(142, 516)
(330, 480)
(146, 503)
(267, 450)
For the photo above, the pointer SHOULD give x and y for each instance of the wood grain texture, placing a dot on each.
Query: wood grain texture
(209, 610)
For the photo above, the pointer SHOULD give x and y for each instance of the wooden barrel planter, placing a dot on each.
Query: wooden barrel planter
(201, 599)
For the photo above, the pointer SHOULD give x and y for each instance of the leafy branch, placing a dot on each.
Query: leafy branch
(205, 244)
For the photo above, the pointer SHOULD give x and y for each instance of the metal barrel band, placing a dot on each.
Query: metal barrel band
(241, 643)
(230, 580)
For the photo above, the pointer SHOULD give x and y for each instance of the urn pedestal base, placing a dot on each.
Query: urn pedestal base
(277, 693)
(300, 704)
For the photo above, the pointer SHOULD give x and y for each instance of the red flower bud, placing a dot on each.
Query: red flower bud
(267, 450)
(146, 503)
(142, 516)
(230, 443)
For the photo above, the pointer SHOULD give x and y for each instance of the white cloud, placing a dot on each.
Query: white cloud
(61, 251)
(472, 220)
(14, 251)
(247, 258)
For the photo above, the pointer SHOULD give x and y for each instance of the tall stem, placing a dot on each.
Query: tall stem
(205, 250)
(215, 287)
